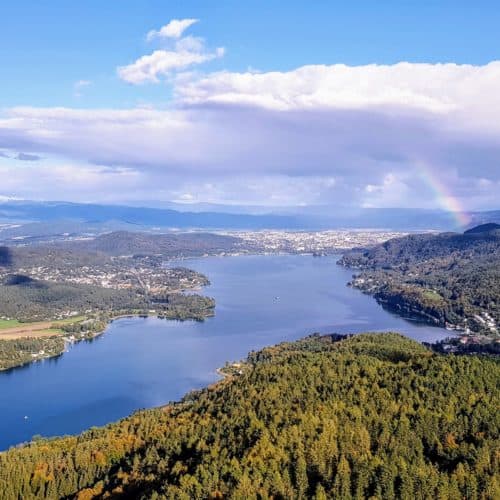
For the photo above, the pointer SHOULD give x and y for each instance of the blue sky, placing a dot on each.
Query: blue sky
(47, 46)
(265, 114)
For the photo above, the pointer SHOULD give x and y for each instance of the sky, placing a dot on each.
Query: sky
(344, 104)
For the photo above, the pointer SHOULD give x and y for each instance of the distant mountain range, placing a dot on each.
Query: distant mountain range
(140, 216)
(44, 217)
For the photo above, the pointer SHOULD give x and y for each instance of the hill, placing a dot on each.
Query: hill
(484, 228)
(167, 245)
(371, 416)
(448, 279)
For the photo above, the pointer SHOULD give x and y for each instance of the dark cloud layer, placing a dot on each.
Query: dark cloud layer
(27, 157)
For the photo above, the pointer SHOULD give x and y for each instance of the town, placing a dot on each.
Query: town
(122, 273)
(315, 242)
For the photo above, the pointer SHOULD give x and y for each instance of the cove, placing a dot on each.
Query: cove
(146, 362)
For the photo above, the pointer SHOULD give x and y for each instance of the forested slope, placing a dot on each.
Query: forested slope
(446, 278)
(34, 300)
(372, 416)
(168, 245)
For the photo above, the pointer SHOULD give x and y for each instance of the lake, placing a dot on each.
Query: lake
(146, 362)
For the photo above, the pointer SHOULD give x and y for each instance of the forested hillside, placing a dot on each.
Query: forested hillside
(96, 251)
(446, 278)
(372, 416)
(415, 248)
(168, 245)
(32, 300)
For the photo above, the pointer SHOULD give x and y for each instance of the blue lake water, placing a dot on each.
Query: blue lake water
(146, 362)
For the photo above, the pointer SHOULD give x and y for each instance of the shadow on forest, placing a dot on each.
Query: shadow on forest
(5, 256)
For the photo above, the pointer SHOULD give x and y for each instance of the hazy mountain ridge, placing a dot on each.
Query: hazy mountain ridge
(93, 214)
(80, 217)
(489, 227)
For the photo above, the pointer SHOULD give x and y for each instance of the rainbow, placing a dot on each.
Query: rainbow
(444, 196)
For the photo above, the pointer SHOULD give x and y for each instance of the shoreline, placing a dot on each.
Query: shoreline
(417, 316)
(114, 317)
(231, 370)
(89, 336)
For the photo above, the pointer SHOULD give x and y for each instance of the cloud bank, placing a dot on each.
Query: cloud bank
(373, 135)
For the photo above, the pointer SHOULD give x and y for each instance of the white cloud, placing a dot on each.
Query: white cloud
(391, 192)
(66, 181)
(174, 29)
(162, 63)
(4, 198)
(190, 44)
(436, 88)
(315, 134)
(165, 62)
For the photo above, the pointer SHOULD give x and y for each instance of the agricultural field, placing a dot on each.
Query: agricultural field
(9, 323)
(14, 329)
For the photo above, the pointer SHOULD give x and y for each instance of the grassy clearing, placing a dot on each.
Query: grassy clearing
(432, 296)
(68, 321)
(9, 323)
(14, 329)
(49, 332)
